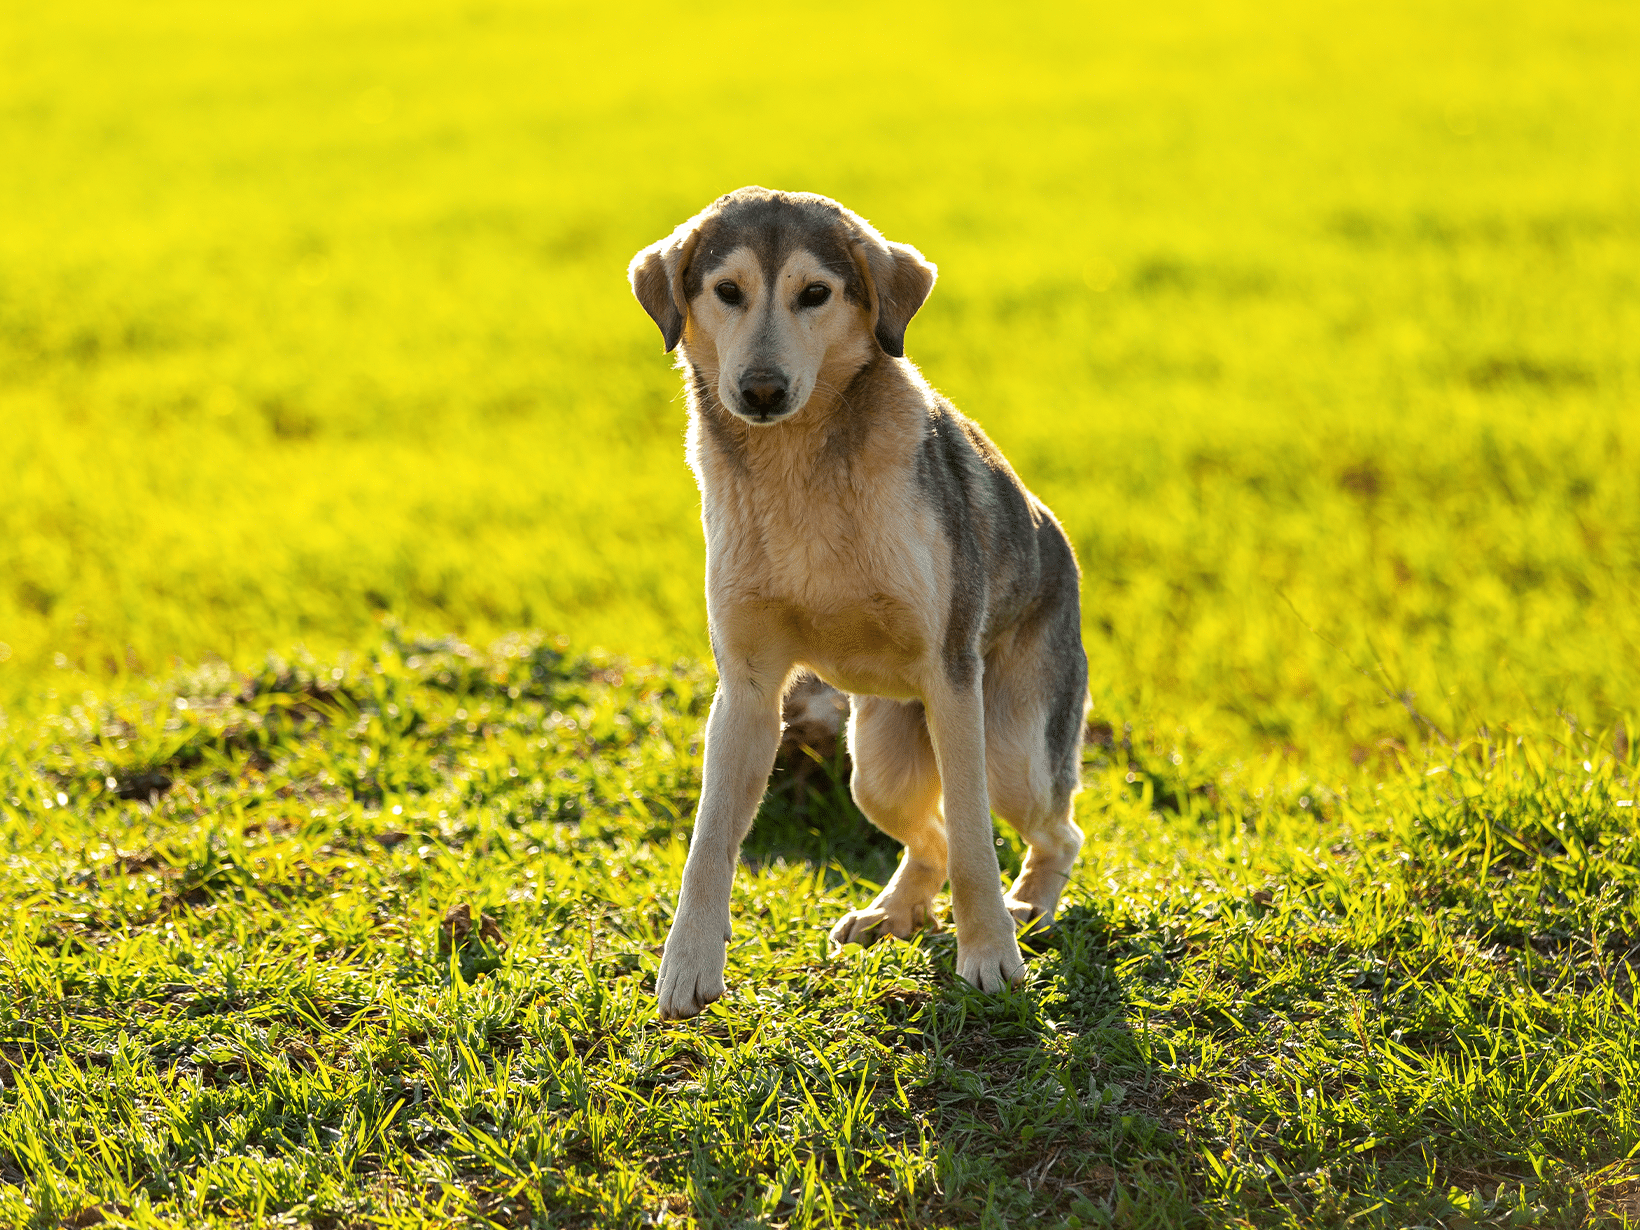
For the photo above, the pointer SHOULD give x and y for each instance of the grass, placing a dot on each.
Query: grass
(236, 990)
(1315, 325)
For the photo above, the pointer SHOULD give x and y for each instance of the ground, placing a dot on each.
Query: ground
(375, 943)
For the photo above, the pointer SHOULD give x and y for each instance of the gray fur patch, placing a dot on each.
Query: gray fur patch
(944, 473)
(774, 225)
(1062, 644)
(852, 420)
(718, 424)
(1009, 523)
(1011, 568)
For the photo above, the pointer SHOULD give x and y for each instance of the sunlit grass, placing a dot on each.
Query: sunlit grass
(1401, 998)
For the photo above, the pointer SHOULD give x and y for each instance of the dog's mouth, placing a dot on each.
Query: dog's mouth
(764, 417)
(762, 396)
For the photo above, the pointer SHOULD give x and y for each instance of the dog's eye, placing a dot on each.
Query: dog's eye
(814, 294)
(728, 292)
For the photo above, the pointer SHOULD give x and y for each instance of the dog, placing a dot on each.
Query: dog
(858, 526)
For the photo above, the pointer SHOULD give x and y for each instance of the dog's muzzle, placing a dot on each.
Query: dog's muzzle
(763, 394)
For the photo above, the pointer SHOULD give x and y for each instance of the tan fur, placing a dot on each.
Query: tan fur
(823, 551)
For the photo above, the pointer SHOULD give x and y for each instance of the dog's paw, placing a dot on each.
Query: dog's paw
(865, 927)
(691, 974)
(992, 966)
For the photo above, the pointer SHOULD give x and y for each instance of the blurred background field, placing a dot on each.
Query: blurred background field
(1316, 325)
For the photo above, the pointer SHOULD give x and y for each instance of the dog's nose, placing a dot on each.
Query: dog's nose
(763, 390)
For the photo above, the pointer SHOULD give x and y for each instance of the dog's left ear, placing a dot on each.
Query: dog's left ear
(656, 275)
(898, 279)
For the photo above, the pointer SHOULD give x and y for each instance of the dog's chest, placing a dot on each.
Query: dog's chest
(812, 547)
(849, 578)
(820, 545)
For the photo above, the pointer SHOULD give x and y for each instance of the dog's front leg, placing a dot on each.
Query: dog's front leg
(742, 735)
(987, 951)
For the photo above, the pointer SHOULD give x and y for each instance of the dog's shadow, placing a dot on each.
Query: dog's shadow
(1109, 1120)
(1052, 1098)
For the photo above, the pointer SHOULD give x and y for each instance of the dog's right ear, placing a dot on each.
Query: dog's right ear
(656, 275)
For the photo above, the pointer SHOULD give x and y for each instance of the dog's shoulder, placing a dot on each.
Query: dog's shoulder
(968, 482)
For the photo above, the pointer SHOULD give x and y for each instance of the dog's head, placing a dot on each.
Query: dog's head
(774, 294)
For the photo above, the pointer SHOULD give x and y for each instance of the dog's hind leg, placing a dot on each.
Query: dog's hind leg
(1040, 812)
(1035, 703)
(897, 786)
